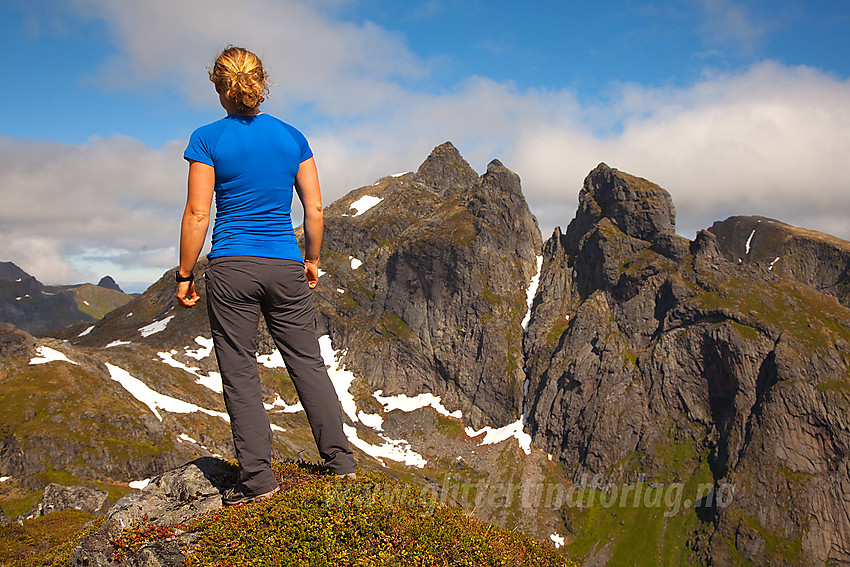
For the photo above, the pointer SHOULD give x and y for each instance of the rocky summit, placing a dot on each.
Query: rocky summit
(618, 390)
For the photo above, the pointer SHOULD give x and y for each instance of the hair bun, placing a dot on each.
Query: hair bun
(239, 74)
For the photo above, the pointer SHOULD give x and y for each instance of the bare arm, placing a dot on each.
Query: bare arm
(307, 187)
(193, 229)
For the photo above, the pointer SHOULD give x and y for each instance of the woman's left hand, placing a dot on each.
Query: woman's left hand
(186, 294)
(311, 268)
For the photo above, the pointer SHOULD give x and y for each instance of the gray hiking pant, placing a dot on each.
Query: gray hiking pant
(239, 288)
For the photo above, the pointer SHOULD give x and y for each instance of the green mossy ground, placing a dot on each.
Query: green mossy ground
(372, 521)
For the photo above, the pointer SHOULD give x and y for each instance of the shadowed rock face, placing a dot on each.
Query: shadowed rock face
(437, 303)
(642, 346)
(818, 260)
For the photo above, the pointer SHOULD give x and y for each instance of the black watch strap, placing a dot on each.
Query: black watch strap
(179, 278)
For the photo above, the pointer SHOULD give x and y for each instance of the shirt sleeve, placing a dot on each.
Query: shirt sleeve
(199, 148)
(301, 140)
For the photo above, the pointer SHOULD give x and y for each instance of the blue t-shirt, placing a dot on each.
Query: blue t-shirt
(256, 159)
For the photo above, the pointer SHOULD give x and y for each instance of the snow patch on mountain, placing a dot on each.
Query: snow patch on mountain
(407, 403)
(47, 354)
(394, 449)
(500, 434)
(204, 351)
(363, 204)
(213, 381)
(155, 327)
(532, 291)
(153, 399)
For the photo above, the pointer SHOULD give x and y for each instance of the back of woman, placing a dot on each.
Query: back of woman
(251, 162)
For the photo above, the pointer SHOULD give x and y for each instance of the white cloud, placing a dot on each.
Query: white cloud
(111, 203)
(311, 56)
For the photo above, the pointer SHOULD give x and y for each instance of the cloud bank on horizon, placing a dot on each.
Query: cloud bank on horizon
(747, 131)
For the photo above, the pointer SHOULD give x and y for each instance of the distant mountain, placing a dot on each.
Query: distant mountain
(635, 396)
(37, 308)
(109, 283)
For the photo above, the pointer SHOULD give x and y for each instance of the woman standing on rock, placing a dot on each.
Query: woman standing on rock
(251, 161)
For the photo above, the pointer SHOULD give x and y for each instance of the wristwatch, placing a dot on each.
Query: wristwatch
(179, 278)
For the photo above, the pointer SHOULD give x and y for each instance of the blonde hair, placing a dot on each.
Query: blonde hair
(239, 75)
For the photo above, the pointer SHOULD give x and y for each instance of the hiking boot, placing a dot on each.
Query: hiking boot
(234, 497)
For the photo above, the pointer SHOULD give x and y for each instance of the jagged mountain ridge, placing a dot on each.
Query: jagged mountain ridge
(643, 345)
(28, 304)
(645, 354)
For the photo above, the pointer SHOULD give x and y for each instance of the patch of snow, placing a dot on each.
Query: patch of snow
(153, 399)
(340, 290)
(184, 437)
(278, 402)
(140, 484)
(558, 539)
(18, 298)
(775, 260)
(406, 403)
(364, 203)
(492, 436)
(373, 420)
(86, 332)
(355, 263)
(155, 327)
(532, 291)
(204, 351)
(322, 272)
(47, 354)
(340, 377)
(213, 381)
(400, 174)
(5, 478)
(17, 280)
(394, 449)
(277, 427)
(117, 343)
(750, 239)
(130, 314)
(86, 302)
(273, 360)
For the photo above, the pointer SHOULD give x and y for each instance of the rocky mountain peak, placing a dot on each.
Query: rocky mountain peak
(446, 169)
(639, 208)
(109, 283)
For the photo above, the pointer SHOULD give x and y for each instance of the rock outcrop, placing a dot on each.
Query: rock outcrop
(813, 258)
(176, 497)
(434, 279)
(643, 346)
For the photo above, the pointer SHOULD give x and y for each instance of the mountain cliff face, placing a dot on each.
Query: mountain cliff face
(818, 260)
(701, 386)
(653, 356)
(434, 279)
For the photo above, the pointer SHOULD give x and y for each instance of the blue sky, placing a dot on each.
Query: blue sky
(735, 107)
